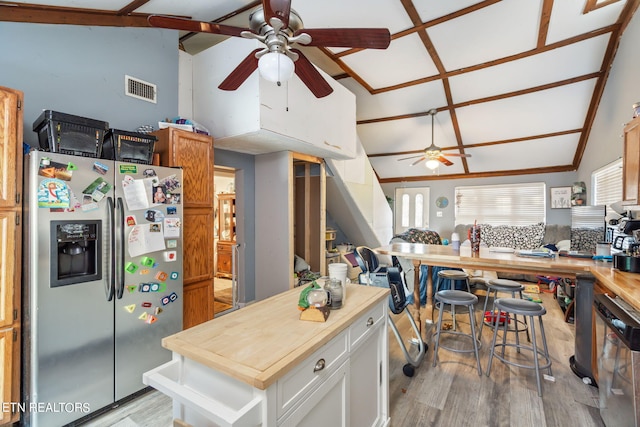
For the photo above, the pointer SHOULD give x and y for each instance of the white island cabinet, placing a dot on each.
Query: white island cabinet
(261, 365)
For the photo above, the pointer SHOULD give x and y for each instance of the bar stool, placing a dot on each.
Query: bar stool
(508, 286)
(452, 276)
(456, 298)
(528, 309)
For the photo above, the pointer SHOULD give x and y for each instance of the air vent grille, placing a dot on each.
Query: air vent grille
(140, 89)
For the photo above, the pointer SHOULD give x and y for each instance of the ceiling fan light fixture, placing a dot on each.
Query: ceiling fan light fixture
(432, 164)
(276, 67)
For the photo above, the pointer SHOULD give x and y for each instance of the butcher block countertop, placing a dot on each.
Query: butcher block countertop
(261, 342)
(625, 285)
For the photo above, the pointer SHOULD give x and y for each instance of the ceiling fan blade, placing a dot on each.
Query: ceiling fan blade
(444, 161)
(412, 157)
(311, 77)
(184, 24)
(241, 72)
(417, 161)
(280, 9)
(456, 155)
(372, 38)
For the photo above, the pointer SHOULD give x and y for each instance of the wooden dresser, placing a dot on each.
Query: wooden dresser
(194, 153)
(11, 236)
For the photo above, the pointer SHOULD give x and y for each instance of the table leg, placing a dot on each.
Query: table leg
(416, 291)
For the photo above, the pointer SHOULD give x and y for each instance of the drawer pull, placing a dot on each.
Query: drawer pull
(370, 321)
(319, 365)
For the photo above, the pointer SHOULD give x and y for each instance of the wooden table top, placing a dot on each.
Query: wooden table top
(626, 285)
(263, 341)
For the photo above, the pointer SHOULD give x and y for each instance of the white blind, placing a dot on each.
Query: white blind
(504, 204)
(607, 183)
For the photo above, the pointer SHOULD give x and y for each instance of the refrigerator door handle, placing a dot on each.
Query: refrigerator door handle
(120, 252)
(110, 282)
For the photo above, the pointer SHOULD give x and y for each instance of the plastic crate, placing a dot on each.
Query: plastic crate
(132, 147)
(68, 134)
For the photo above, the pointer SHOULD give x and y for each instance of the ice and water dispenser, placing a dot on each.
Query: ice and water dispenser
(75, 252)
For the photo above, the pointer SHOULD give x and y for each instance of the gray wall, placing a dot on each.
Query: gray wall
(245, 214)
(80, 70)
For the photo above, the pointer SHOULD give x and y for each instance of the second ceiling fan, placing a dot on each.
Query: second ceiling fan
(433, 154)
(279, 27)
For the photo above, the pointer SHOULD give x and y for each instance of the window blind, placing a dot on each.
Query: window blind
(607, 183)
(504, 204)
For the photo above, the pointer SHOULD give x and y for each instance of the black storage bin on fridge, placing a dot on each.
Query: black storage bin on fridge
(68, 134)
(132, 147)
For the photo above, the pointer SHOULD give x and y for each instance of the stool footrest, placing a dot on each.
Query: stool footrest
(547, 360)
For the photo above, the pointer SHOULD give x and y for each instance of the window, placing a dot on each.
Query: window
(606, 183)
(505, 204)
(411, 209)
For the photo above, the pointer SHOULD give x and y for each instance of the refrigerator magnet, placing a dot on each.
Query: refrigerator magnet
(170, 256)
(172, 210)
(143, 316)
(172, 227)
(162, 276)
(146, 304)
(157, 310)
(173, 275)
(150, 319)
(130, 308)
(131, 288)
(51, 169)
(131, 267)
(100, 168)
(172, 243)
(131, 220)
(144, 271)
(53, 193)
(147, 261)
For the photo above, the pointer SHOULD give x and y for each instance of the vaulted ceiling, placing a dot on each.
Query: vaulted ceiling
(515, 83)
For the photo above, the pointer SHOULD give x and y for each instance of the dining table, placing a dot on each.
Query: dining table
(489, 259)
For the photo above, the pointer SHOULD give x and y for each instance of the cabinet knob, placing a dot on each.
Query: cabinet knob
(319, 365)
(370, 321)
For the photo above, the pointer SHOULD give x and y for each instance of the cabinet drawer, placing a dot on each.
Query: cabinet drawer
(360, 328)
(305, 377)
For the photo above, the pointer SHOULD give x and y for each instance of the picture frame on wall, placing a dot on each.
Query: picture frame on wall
(560, 197)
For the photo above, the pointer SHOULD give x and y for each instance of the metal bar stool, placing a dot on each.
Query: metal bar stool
(508, 286)
(528, 309)
(452, 276)
(457, 298)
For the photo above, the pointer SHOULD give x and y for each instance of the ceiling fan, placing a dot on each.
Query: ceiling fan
(433, 154)
(279, 27)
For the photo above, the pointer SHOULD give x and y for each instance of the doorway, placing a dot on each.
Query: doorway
(225, 282)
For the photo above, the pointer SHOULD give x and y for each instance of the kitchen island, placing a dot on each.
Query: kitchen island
(262, 365)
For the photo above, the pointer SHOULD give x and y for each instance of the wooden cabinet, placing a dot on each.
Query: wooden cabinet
(631, 163)
(11, 123)
(227, 233)
(194, 154)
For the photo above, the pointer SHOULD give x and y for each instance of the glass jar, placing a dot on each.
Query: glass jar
(317, 297)
(333, 288)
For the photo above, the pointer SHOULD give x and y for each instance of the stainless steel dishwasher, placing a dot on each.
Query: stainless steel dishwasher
(618, 347)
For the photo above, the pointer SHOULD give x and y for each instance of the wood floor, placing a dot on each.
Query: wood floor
(452, 393)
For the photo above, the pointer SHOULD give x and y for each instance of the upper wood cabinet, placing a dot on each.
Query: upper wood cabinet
(194, 152)
(10, 147)
(631, 163)
(11, 122)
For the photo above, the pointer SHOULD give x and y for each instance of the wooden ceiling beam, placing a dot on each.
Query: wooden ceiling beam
(438, 177)
(484, 144)
(30, 13)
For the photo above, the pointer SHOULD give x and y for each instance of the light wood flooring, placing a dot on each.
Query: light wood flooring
(452, 393)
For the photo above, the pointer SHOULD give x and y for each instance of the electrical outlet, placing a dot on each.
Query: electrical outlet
(439, 214)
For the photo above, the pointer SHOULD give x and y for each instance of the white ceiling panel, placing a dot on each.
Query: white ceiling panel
(404, 60)
(353, 14)
(203, 10)
(83, 4)
(551, 110)
(432, 9)
(413, 99)
(463, 41)
(524, 154)
(559, 64)
(567, 19)
(406, 134)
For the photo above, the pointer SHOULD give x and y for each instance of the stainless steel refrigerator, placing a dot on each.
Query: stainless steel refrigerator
(103, 281)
